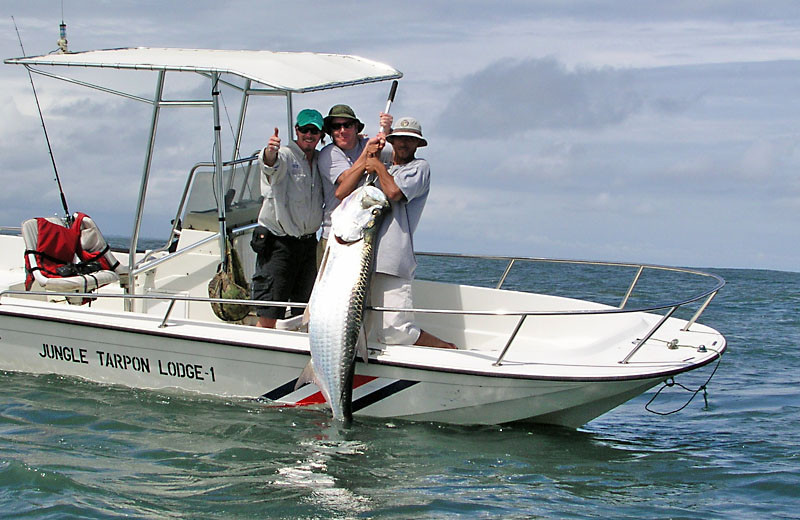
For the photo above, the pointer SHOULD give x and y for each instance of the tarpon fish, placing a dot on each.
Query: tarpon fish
(336, 307)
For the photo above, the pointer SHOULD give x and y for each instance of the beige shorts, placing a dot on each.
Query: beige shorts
(392, 328)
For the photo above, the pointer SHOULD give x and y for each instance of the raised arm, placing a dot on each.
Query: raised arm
(271, 150)
(376, 166)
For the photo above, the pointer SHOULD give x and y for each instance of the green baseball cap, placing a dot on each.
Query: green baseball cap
(342, 111)
(309, 116)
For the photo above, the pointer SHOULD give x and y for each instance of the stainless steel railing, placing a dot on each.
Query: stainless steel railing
(706, 295)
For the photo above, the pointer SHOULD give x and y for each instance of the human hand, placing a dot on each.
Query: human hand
(386, 123)
(271, 151)
(374, 146)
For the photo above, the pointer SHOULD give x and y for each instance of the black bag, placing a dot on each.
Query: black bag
(262, 240)
(89, 267)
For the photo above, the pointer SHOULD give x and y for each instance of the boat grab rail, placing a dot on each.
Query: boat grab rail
(523, 314)
(172, 298)
(189, 180)
(708, 294)
(152, 264)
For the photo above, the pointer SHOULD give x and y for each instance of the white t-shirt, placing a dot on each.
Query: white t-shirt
(332, 162)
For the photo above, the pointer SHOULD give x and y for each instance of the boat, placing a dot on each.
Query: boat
(523, 356)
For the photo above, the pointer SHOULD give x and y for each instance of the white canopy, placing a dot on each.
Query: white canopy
(285, 71)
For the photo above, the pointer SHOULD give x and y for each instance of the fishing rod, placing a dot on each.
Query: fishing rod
(392, 91)
(389, 102)
(41, 118)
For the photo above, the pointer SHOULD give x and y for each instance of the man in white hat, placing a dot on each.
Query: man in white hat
(406, 184)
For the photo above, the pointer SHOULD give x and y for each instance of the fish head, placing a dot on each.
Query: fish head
(358, 213)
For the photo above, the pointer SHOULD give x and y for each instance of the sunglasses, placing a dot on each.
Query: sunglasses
(338, 126)
(313, 130)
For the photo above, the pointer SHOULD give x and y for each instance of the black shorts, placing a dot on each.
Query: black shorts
(285, 271)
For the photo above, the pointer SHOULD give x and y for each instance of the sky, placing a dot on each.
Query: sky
(636, 131)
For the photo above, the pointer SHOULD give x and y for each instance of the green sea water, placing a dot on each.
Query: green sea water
(73, 449)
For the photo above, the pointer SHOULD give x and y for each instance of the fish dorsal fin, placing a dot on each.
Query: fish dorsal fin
(306, 376)
(361, 344)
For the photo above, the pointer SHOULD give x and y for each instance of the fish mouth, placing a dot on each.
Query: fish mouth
(345, 242)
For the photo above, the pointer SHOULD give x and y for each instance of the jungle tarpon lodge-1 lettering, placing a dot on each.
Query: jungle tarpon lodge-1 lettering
(176, 369)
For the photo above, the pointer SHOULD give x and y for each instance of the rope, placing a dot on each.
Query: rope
(670, 382)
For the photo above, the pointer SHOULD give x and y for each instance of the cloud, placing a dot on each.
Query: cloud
(517, 96)
(657, 131)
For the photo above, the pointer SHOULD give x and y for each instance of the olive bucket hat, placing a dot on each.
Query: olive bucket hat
(341, 111)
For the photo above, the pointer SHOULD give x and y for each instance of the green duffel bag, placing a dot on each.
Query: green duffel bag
(229, 283)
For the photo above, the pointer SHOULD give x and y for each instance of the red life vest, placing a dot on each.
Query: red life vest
(58, 245)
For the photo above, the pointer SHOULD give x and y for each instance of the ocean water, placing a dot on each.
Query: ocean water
(73, 449)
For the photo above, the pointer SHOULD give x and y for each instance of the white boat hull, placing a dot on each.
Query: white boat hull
(413, 383)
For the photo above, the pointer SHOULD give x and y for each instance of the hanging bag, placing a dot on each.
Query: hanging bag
(229, 283)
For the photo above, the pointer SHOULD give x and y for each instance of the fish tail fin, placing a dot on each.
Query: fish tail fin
(306, 376)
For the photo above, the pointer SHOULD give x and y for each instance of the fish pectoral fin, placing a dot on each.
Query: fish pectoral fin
(306, 376)
(361, 345)
(323, 263)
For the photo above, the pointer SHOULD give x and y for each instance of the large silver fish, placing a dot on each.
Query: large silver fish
(336, 307)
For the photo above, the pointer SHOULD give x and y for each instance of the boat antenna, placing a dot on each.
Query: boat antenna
(62, 34)
(41, 117)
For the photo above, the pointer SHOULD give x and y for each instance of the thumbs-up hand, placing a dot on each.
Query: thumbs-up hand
(271, 150)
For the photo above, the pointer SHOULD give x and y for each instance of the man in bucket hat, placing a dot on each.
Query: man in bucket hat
(285, 241)
(342, 163)
(406, 184)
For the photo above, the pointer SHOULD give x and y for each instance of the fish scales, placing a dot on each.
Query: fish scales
(337, 303)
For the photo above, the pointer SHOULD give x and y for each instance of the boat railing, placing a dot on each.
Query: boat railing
(705, 295)
(248, 161)
(145, 266)
(671, 307)
(171, 298)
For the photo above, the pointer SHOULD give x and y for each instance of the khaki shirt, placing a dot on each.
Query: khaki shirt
(292, 192)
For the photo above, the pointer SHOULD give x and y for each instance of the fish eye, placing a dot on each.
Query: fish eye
(376, 211)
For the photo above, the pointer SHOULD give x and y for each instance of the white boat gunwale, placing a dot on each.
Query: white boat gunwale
(164, 328)
(419, 367)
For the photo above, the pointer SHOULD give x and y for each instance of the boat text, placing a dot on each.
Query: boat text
(177, 369)
(64, 353)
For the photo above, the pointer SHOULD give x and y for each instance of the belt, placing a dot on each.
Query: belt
(304, 237)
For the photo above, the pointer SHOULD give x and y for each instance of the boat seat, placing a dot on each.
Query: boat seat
(68, 258)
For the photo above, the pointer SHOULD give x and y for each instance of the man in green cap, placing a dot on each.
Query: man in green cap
(342, 163)
(285, 241)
